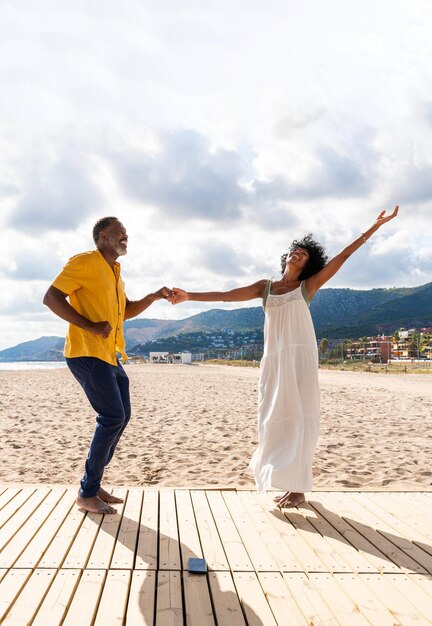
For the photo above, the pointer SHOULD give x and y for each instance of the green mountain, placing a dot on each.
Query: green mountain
(42, 349)
(349, 313)
(337, 313)
(213, 320)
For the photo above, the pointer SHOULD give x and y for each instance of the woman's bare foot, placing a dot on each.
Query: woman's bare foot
(108, 497)
(95, 505)
(289, 499)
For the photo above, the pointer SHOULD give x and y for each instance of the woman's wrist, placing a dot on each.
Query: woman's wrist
(368, 233)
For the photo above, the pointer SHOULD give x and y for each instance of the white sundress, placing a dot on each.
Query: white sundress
(288, 400)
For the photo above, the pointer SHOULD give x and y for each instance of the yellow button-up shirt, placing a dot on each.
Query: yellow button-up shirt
(97, 292)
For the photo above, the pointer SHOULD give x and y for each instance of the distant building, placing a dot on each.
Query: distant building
(370, 349)
(158, 357)
(184, 358)
(404, 345)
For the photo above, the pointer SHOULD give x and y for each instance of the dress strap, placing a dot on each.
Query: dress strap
(304, 294)
(266, 293)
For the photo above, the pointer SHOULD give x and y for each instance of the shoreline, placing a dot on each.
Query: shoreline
(401, 367)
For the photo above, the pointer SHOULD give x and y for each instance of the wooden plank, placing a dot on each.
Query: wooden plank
(309, 560)
(341, 605)
(141, 604)
(260, 556)
(409, 586)
(10, 587)
(309, 600)
(85, 602)
(280, 599)
(82, 545)
(190, 545)
(196, 519)
(419, 517)
(425, 582)
(112, 606)
(169, 548)
(64, 538)
(169, 605)
(58, 598)
(16, 521)
(407, 521)
(353, 519)
(235, 551)
(359, 553)
(103, 548)
(32, 526)
(368, 603)
(37, 547)
(387, 557)
(318, 543)
(212, 547)
(147, 547)
(395, 511)
(272, 538)
(198, 607)
(423, 500)
(410, 510)
(30, 598)
(349, 559)
(124, 552)
(14, 504)
(409, 555)
(253, 600)
(7, 495)
(397, 604)
(226, 603)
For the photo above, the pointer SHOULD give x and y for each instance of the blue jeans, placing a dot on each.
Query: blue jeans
(107, 389)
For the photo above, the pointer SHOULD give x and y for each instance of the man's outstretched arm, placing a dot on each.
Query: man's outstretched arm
(135, 307)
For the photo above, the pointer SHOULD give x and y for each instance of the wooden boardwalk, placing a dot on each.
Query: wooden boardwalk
(344, 558)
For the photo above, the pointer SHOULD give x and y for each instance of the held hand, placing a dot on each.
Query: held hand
(164, 293)
(383, 218)
(178, 295)
(100, 328)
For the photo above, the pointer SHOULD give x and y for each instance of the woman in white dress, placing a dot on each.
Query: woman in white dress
(288, 402)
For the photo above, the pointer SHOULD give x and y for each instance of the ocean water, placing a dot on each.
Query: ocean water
(32, 365)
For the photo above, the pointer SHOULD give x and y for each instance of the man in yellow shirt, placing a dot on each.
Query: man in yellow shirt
(96, 310)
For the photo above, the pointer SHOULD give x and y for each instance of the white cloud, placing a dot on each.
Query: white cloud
(184, 178)
(217, 133)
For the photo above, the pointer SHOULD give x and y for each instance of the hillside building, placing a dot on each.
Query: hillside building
(403, 345)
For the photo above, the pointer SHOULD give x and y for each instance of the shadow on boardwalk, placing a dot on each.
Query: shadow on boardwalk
(61, 565)
(162, 589)
(386, 551)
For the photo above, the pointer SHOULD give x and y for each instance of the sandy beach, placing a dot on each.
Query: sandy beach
(195, 426)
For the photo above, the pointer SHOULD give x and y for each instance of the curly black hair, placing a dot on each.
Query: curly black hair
(317, 256)
(101, 224)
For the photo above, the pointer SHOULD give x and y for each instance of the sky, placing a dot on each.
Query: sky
(217, 132)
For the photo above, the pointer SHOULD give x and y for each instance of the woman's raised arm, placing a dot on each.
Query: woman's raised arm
(316, 281)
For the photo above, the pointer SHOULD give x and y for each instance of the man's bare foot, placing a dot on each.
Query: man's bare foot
(94, 505)
(108, 497)
(289, 499)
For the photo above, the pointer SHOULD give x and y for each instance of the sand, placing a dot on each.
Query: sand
(195, 426)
